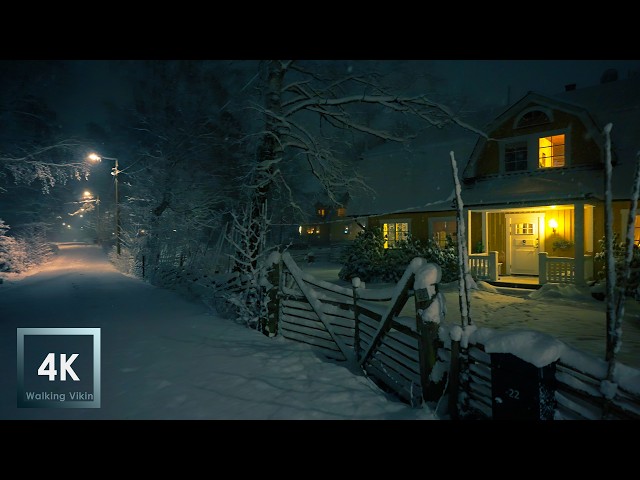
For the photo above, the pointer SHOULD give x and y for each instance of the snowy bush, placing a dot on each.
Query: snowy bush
(367, 258)
(11, 252)
(363, 258)
(631, 288)
(25, 250)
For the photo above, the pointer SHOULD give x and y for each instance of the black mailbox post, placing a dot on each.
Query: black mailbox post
(520, 390)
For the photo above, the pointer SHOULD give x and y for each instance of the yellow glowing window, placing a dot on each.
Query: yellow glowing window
(321, 212)
(523, 229)
(342, 212)
(636, 231)
(551, 151)
(394, 233)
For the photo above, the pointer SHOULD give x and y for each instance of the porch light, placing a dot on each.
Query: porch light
(553, 223)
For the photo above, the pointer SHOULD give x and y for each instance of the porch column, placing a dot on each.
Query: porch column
(485, 231)
(468, 229)
(578, 220)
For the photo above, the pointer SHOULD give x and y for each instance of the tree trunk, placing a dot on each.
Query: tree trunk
(269, 151)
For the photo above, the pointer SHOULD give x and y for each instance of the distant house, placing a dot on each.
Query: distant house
(331, 226)
(533, 190)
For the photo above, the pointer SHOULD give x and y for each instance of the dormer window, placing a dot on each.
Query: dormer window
(551, 151)
(535, 152)
(515, 156)
(532, 118)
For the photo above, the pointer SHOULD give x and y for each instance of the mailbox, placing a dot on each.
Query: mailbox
(520, 390)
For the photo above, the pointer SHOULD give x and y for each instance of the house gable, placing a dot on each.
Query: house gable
(533, 117)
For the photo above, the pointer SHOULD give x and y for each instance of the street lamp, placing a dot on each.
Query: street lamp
(94, 157)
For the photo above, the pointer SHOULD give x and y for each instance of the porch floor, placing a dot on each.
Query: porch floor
(517, 281)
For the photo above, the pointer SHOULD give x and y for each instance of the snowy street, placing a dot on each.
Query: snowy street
(164, 357)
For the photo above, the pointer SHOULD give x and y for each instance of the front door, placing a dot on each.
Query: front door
(524, 242)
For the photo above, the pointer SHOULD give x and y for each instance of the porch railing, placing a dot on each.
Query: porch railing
(484, 266)
(561, 269)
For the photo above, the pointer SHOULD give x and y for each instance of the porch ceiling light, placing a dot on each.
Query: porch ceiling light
(553, 223)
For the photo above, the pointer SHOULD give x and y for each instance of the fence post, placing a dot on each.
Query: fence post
(425, 293)
(454, 380)
(355, 284)
(542, 267)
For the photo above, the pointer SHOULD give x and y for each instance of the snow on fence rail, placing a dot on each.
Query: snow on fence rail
(574, 391)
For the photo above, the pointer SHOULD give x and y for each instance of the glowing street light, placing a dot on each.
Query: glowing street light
(94, 157)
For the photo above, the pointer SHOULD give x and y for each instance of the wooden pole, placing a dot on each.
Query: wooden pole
(454, 380)
(355, 283)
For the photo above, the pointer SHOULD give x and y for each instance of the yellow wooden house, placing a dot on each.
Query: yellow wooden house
(533, 189)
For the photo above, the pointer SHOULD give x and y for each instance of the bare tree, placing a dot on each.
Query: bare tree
(49, 165)
(312, 121)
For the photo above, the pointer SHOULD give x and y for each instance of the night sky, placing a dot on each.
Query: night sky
(80, 96)
(80, 91)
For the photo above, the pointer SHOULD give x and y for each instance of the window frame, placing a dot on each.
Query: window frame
(532, 140)
(387, 244)
(433, 220)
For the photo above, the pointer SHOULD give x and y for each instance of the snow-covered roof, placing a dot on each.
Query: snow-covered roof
(417, 176)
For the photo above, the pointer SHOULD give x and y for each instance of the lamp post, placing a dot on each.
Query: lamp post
(93, 157)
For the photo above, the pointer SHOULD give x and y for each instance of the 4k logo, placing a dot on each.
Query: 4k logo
(58, 367)
(48, 367)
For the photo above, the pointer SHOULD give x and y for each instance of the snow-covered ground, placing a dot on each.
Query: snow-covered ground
(566, 312)
(164, 357)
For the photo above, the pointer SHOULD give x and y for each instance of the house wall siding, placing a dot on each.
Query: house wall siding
(419, 222)
(582, 149)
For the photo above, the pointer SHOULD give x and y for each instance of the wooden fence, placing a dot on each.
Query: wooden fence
(417, 359)
(362, 326)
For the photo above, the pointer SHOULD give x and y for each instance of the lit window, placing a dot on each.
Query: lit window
(342, 212)
(515, 157)
(443, 228)
(310, 230)
(346, 230)
(636, 231)
(321, 212)
(551, 151)
(523, 229)
(394, 233)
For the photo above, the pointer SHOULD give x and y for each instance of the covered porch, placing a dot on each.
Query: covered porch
(532, 244)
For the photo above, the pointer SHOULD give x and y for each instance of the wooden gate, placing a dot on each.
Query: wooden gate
(365, 327)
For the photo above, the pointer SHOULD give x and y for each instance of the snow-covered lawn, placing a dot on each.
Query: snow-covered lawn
(568, 313)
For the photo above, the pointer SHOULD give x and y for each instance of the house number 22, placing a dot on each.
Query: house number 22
(515, 394)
